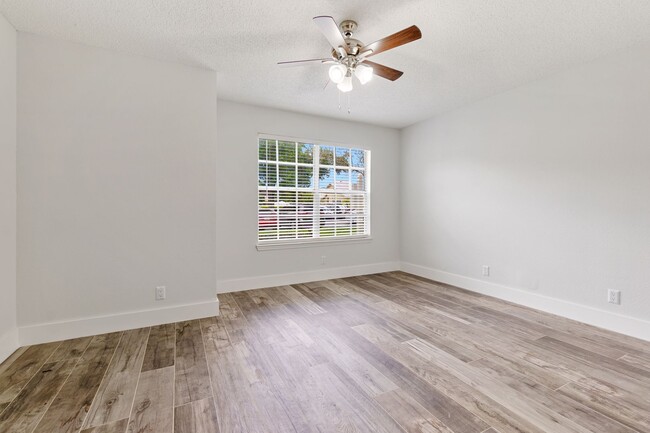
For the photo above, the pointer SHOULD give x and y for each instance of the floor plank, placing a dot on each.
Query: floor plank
(622, 411)
(356, 409)
(11, 359)
(22, 368)
(233, 399)
(192, 378)
(70, 349)
(637, 361)
(154, 400)
(271, 412)
(593, 358)
(301, 300)
(26, 410)
(410, 414)
(115, 394)
(114, 427)
(160, 347)
(359, 369)
(196, 417)
(70, 407)
(527, 408)
(556, 402)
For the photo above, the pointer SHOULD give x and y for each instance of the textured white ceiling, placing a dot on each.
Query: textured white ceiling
(470, 48)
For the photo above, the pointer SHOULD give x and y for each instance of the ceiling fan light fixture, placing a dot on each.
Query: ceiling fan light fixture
(363, 73)
(337, 73)
(345, 85)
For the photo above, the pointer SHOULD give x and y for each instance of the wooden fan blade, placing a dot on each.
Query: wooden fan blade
(330, 30)
(304, 62)
(402, 37)
(384, 71)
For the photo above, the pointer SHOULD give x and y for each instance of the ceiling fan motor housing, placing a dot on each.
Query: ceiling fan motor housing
(348, 27)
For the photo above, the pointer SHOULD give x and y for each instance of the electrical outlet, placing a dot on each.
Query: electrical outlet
(486, 271)
(323, 260)
(161, 293)
(614, 296)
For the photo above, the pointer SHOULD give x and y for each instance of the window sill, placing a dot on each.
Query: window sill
(307, 243)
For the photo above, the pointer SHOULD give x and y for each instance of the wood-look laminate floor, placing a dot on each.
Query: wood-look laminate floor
(381, 353)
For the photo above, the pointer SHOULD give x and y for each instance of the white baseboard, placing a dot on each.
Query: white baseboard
(55, 331)
(236, 285)
(8, 343)
(627, 325)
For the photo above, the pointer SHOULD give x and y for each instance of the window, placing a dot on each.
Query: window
(311, 192)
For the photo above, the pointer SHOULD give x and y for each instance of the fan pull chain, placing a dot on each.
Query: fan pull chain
(349, 105)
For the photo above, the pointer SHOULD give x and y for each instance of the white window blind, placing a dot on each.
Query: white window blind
(309, 191)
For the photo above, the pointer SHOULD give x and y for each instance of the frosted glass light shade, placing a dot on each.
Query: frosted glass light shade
(346, 84)
(337, 73)
(363, 73)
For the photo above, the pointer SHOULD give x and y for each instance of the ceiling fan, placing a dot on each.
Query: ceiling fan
(349, 57)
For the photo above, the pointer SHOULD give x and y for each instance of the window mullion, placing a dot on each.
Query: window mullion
(277, 184)
(316, 204)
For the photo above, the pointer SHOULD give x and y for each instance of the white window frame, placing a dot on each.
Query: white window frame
(273, 244)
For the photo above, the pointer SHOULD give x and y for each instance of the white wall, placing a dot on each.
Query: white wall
(548, 184)
(240, 265)
(120, 190)
(116, 188)
(8, 331)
